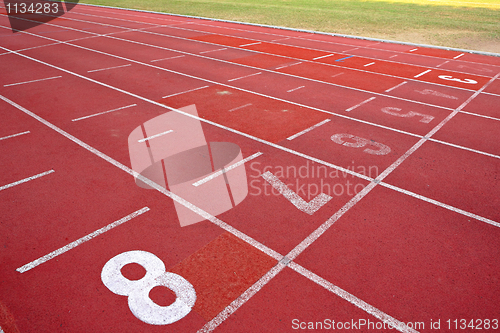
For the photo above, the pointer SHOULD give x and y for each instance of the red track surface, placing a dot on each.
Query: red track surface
(411, 234)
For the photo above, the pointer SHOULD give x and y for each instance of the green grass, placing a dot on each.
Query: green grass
(469, 24)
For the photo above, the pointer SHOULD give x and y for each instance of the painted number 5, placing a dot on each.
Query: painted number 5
(138, 291)
(451, 78)
(395, 112)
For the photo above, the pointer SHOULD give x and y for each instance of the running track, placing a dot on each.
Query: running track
(404, 140)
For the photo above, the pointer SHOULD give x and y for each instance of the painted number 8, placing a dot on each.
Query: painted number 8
(138, 291)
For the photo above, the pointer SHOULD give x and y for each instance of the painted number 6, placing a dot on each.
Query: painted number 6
(361, 142)
(451, 78)
(138, 291)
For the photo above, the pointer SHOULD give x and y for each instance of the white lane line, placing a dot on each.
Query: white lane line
(308, 129)
(358, 105)
(155, 136)
(25, 180)
(167, 58)
(465, 148)
(14, 135)
(243, 77)
(324, 56)
(48, 78)
(270, 252)
(444, 63)
(231, 167)
(203, 52)
(105, 69)
(394, 56)
(249, 44)
(98, 114)
(183, 92)
(480, 115)
(80, 241)
(371, 63)
(240, 107)
(297, 63)
(413, 50)
(338, 74)
(440, 204)
(458, 56)
(395, 87)
(295, 89)
(400, 326)
(242, 299)
(424, 72)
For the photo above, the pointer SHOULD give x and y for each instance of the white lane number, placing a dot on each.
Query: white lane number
(138, 291)
(353, 141)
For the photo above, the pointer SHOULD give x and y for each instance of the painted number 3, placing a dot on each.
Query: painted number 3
(138, 291)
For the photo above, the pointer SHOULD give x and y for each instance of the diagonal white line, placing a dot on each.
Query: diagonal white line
(395, 87)
(183, 92)
(308, 129)
(25, 180)
(80, 241)
(105, 69)
(100, 113)
(220, 172)
(155, 136)
(16, 84)
(358, 105)
(14, 135)
(242, 77)
(424, 72)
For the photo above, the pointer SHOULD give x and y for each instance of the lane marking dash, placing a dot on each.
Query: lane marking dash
(183, 92)
(224, 170)
(295, 89)
(155, 136)
(371, 63)
(213, 50)
(26, 180)
(324, 56)
(395, 87)
(413, 50)
(80, 241)
(308, 129)
(14, 135)
(98, 114)
(240, 107)
(168, 58)
(424, 72)
(48, 78)
(105, 69)
(458, 56)
(297, 63)
(358, 105)
(249, 44)
(242, 77)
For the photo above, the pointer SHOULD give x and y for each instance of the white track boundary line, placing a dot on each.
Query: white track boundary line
(25, 179)
(25, 82)
(308, 129)
(242, 299)
(396, 324)
(218, 125)
(313, 159)
(260, 69)
(100, 113)
(224, 170)
(14, 135)
(80, 241)
(297, 30)
(195, 209)
(235, 131)
(441, 204)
